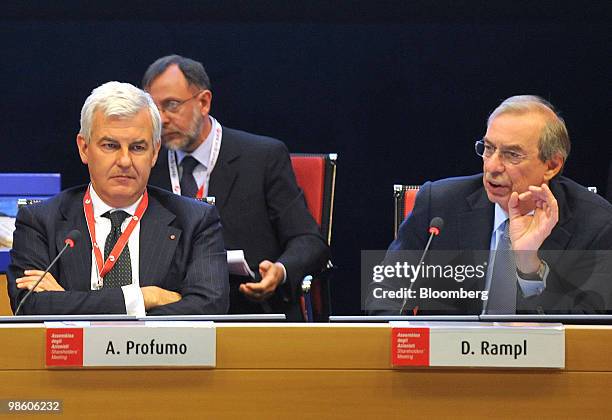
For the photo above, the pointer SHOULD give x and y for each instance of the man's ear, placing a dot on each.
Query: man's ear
(205, 101)
(83, 148)
(554, 166)
(156, 147)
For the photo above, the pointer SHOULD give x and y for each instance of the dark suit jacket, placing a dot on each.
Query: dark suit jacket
(181, 249)
(580, 279)
(263, 212)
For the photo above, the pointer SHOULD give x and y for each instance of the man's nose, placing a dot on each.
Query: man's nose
(124, 160)
(494, 163)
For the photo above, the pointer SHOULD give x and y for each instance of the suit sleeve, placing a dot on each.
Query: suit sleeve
(579, 280)
(304, 249)
(34, 248)
(205, 287)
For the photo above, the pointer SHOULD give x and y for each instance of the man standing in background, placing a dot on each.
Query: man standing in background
(262, 210)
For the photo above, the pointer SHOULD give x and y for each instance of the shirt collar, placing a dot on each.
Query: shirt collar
(100, 207)
(202, 153)
(500, 217)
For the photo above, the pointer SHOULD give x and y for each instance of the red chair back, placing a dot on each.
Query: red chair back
(404, 197)
(316, 176)
(310, 176)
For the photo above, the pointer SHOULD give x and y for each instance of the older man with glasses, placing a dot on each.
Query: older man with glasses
(546, 235)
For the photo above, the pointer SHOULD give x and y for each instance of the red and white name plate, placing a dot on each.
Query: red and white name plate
(146, 344)
(421, 344)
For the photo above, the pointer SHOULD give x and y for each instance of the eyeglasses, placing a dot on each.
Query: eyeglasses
(173, 105)
(486, 150)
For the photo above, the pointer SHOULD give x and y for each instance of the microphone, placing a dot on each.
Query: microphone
(435, 227)
(71, 239)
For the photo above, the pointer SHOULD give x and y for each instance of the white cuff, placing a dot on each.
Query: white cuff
(134, 301)
(284, 272)
(534, 287)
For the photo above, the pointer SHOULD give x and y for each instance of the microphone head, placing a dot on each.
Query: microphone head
(72, 238)
(436, 225)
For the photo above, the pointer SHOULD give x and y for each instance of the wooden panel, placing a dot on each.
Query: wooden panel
(5, 303)
(587, 348)
(22, 347)
(304, 347)
(306, 371)
(298, 394)
(327, 346)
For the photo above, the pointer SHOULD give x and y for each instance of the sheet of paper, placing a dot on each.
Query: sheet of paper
(7, 227)
(237, 264)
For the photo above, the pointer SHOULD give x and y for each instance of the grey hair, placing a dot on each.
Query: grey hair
(121, 100)
(554, 139)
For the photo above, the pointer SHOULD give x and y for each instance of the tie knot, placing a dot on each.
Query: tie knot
(188, 164)
(116, 218)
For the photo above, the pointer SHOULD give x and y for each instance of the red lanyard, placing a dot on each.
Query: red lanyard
(123, 239)
(174, 178)
(200, 192)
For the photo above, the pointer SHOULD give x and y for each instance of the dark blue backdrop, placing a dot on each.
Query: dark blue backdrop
(399, 89)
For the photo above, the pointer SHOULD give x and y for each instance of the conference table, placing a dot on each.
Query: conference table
(284, 370)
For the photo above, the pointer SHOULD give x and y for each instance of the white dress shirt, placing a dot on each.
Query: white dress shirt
(202, 155)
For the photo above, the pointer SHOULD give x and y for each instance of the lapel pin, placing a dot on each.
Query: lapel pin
(172, 237)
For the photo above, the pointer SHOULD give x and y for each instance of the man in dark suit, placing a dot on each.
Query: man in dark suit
(162, 254)
(559, 234)
(262, 210)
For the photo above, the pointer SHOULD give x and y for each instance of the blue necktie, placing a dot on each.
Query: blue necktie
(502, 293)
(189, 187)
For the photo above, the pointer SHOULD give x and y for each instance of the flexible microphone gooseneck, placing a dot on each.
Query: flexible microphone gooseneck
(71, 239)
(435, 227)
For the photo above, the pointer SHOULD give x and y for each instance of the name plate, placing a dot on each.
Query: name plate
(477, 345)
(131, 344)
